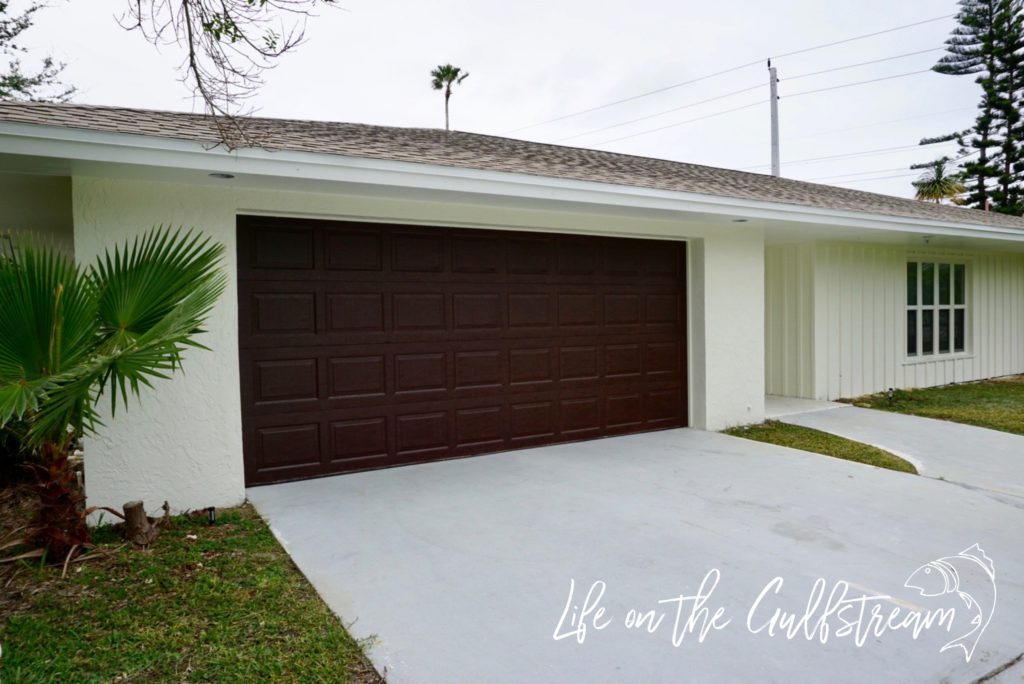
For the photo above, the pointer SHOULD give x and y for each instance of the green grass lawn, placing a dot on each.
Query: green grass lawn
(206, 603)
(806, 439)
(995, 404)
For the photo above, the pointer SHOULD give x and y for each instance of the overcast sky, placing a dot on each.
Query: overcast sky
(534, 60)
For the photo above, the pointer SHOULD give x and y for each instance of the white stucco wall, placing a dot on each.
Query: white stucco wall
(182, 442)
(730, 287)
(37, 205)
(856, 306)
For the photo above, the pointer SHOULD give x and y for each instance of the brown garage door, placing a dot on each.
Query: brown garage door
(368, 345)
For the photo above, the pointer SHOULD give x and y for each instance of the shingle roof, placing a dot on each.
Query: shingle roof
(475, 151)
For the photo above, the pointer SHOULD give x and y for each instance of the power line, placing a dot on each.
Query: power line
(634, 97)
(722, 73)
(661, 113)
(858, 83)
(866, 35)
(882, 123)
(878, 178)
(756, 87)
(848, 155)
(847, 175)
(860, 64)
(680, 123)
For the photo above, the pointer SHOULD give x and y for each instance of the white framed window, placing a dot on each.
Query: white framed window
(937, 312)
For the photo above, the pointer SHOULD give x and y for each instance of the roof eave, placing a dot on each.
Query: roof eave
(86, 145)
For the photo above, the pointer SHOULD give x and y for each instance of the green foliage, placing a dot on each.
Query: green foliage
(442, 78)
(219, 603)
(445, 75)
(42, 85)
(937, 184)
(68, 333)
(993, 404)
(988, 44)
(815, 441)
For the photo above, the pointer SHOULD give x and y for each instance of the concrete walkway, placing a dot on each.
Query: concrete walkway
(776, 407)
(461, 570)
(962, 454)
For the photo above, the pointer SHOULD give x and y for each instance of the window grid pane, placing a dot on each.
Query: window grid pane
(960, 331)
(928, 332)
(944, 336)
(928, 284)
(912, 283)
(936, 308)
(911, 333)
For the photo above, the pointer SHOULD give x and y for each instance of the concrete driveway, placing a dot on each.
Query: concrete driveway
(461, 570)
(961, 454)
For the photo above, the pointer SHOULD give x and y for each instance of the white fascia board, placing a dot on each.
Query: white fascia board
(176, 154)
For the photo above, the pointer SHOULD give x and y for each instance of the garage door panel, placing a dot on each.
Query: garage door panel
(359, 249)
(475, 254)
(578, 363)
(362, 376)
(343, 376)
(580, 417)
(359, 439)
(283, 248)
(355, 313)
(421, 373)
(421, 432)
(531, 420)
(286, 381)
(480, 427)
(483, 369)
(398, 344)
(287, 446)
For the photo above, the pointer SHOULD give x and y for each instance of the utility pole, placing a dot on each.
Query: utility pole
(773, 88)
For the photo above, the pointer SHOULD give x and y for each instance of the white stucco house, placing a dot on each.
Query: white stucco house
(402, 295)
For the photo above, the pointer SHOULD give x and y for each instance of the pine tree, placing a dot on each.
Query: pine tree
(987, 44)
(1007, 195)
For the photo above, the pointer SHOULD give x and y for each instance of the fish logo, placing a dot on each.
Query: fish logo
(969, 570)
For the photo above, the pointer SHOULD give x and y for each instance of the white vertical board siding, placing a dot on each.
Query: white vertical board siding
(789, 319)
(860, 318)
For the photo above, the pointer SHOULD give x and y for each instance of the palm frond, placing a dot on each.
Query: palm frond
(153, 299)
(68, 335)
(47, 313)
(446, 74)
(139, 285)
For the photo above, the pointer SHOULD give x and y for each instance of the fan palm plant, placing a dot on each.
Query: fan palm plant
(442, 78)
(70, 334)
(937, 184)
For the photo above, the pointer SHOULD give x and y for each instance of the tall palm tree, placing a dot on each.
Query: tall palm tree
(69, 334)
(937, 184)
(442, 79)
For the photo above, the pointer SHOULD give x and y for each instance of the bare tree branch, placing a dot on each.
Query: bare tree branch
(228, 44)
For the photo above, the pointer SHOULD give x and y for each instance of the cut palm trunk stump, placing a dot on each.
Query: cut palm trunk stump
(139, 528)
